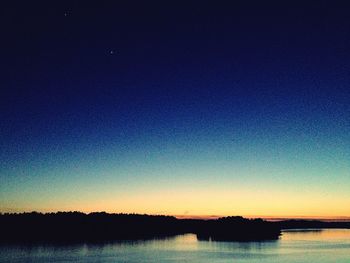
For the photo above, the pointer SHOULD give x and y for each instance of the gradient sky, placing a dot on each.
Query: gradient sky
(177, 108)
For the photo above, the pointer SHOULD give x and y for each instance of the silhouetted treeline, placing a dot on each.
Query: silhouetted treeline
(102, 227)
(237, 228)
(76, 227)
(96, 227)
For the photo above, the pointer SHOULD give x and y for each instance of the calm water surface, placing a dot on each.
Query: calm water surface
(331, 245)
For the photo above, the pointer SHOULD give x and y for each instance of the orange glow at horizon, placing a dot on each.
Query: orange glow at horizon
(214, 203)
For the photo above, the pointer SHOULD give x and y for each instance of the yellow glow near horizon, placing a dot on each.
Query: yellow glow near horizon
(220, 202)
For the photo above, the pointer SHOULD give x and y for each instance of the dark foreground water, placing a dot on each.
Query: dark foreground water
(331, 245)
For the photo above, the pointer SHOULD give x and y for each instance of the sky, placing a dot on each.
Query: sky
(177, 108)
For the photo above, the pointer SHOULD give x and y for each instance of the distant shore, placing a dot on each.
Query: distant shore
(272, 218)
(100, 227)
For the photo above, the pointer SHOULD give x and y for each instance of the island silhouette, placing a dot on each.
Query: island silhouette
(104, 227)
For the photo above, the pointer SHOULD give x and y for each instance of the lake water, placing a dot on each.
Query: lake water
(330, 245)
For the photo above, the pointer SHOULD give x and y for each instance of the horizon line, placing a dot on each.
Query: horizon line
(193, 216)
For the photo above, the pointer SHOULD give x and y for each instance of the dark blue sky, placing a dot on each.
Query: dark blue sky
(132, 97)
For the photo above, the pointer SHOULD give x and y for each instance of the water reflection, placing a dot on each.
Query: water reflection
(316, 234)
(314, 245)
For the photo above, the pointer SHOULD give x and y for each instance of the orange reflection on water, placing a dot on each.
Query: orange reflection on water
(316, 234)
